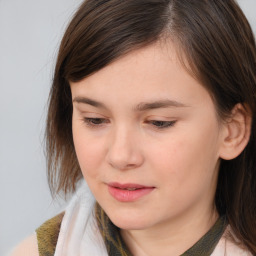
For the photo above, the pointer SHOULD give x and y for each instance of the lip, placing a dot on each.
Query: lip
(128, 192)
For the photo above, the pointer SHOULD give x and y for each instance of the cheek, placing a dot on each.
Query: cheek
(188, 158)
(184, 174)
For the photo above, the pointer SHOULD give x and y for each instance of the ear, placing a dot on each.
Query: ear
(236, 132)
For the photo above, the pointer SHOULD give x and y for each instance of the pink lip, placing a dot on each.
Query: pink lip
(122, 193)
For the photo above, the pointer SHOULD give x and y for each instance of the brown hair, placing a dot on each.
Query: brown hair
(219, 47)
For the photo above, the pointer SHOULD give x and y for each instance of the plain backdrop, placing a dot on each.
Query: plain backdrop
(30, 33)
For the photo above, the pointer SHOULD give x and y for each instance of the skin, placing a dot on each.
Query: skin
(122, 142)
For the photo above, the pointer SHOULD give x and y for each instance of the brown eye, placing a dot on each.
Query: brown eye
(94, 122)
(162, 124)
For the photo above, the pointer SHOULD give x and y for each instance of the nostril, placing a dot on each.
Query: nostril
(123, 154)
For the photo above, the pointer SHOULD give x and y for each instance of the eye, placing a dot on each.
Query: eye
(94, 122)
(161, 124)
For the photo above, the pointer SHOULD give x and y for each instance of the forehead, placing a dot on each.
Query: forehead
(151, 72)
(153, 60)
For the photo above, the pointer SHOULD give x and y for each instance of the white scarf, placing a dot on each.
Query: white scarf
(79, 234)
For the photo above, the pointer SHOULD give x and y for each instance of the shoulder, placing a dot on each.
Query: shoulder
(28, 247)
(43, 241)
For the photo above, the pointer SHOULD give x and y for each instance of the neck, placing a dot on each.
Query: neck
(172, 238)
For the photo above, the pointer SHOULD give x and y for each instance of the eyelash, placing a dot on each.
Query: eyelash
(163, 124)
(94, 123)
(91, 121)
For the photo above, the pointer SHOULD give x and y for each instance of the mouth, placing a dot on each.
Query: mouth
(128, 192)
(128, 186)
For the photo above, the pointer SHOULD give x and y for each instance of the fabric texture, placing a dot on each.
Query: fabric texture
(47, 235)
(113, 241)
(206, 245)
(85, 230)
(79, 234)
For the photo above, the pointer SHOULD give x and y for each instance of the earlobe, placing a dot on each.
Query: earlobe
(236, 133)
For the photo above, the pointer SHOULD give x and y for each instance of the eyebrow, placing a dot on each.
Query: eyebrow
(88, 101)
(143, 106)
(166, 103)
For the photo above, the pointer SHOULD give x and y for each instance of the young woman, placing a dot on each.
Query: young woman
(153, 105)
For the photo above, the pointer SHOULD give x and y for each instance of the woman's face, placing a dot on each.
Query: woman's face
(147, 139)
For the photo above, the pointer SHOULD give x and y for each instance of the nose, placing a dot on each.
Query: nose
(124, 150)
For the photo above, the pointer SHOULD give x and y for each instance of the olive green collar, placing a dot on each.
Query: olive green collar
(206, 245)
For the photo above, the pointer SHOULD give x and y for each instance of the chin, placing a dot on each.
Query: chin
(129, 221)
(129, 225)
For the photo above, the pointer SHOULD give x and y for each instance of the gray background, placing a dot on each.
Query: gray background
(30, 32)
